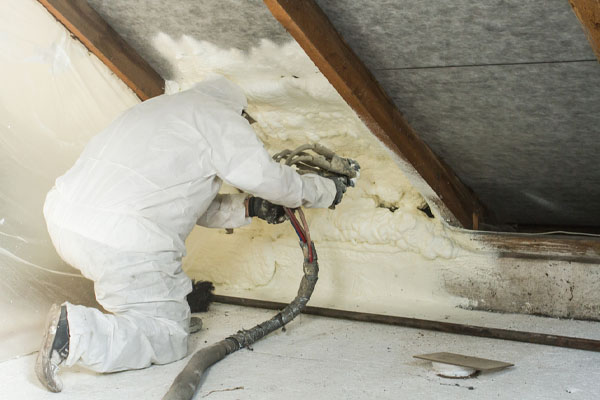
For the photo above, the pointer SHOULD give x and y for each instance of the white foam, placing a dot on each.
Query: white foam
(363, 243)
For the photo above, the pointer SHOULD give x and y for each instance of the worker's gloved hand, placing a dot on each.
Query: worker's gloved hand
(341, 184)
(263, 209)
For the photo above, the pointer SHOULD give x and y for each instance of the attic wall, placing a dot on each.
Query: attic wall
(54, 97)
(562, 289)
(378, 251)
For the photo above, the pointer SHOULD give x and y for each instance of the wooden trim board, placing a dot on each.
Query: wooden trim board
(100, 39)
(438, 326)
(311, 28)
(584, 249)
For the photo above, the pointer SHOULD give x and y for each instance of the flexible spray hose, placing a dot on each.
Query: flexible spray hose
(184, 386)
(326, 162)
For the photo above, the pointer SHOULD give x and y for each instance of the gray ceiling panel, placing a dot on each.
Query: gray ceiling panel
(425, 33)
(507, 92)
(525, 138)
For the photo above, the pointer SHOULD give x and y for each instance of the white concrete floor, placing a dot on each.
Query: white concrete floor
(320, 358)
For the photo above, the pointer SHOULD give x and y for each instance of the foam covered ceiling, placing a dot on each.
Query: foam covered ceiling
(507, 93)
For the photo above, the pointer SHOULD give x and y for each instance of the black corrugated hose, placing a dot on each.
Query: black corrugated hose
(186, 383)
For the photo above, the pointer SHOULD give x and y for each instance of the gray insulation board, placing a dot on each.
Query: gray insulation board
(426, 33)
(506, 92)
(524, 137)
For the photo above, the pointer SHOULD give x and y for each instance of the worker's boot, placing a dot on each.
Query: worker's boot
(55, 348)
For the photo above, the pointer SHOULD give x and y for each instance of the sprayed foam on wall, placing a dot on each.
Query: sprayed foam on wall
(377, 247)
(378, 252)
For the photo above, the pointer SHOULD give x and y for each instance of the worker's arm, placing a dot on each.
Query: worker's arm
(226, 211)
(241, 160)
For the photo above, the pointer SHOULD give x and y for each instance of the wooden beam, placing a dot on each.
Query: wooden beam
(588, 12)
(91, 29)
(311, 28)
(584, 249)
(547, 339)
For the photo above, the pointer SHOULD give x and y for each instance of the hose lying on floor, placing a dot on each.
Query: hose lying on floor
(326, 163)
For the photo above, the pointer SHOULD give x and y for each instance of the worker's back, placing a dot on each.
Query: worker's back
(149, 172)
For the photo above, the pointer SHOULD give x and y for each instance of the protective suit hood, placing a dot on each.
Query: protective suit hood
(224, 91)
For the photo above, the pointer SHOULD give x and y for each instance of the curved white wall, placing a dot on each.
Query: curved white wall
(55, 95)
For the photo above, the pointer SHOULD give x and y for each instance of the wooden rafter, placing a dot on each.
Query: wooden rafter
(91, 29)
(588, 12)
(311, 28)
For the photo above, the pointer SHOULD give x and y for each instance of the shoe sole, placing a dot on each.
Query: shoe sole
(44, 368)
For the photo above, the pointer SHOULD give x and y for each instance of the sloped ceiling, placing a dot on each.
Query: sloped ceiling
(505, 92)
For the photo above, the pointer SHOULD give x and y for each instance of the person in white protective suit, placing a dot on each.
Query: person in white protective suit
(122, 213)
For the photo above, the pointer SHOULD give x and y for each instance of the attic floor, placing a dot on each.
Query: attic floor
(321, 358)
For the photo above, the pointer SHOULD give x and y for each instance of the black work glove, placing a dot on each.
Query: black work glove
(341, 184)
(263, 209)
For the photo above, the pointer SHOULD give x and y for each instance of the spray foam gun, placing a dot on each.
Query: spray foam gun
(325, 163)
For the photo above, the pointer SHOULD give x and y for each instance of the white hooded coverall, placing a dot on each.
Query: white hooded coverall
(122, 213)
